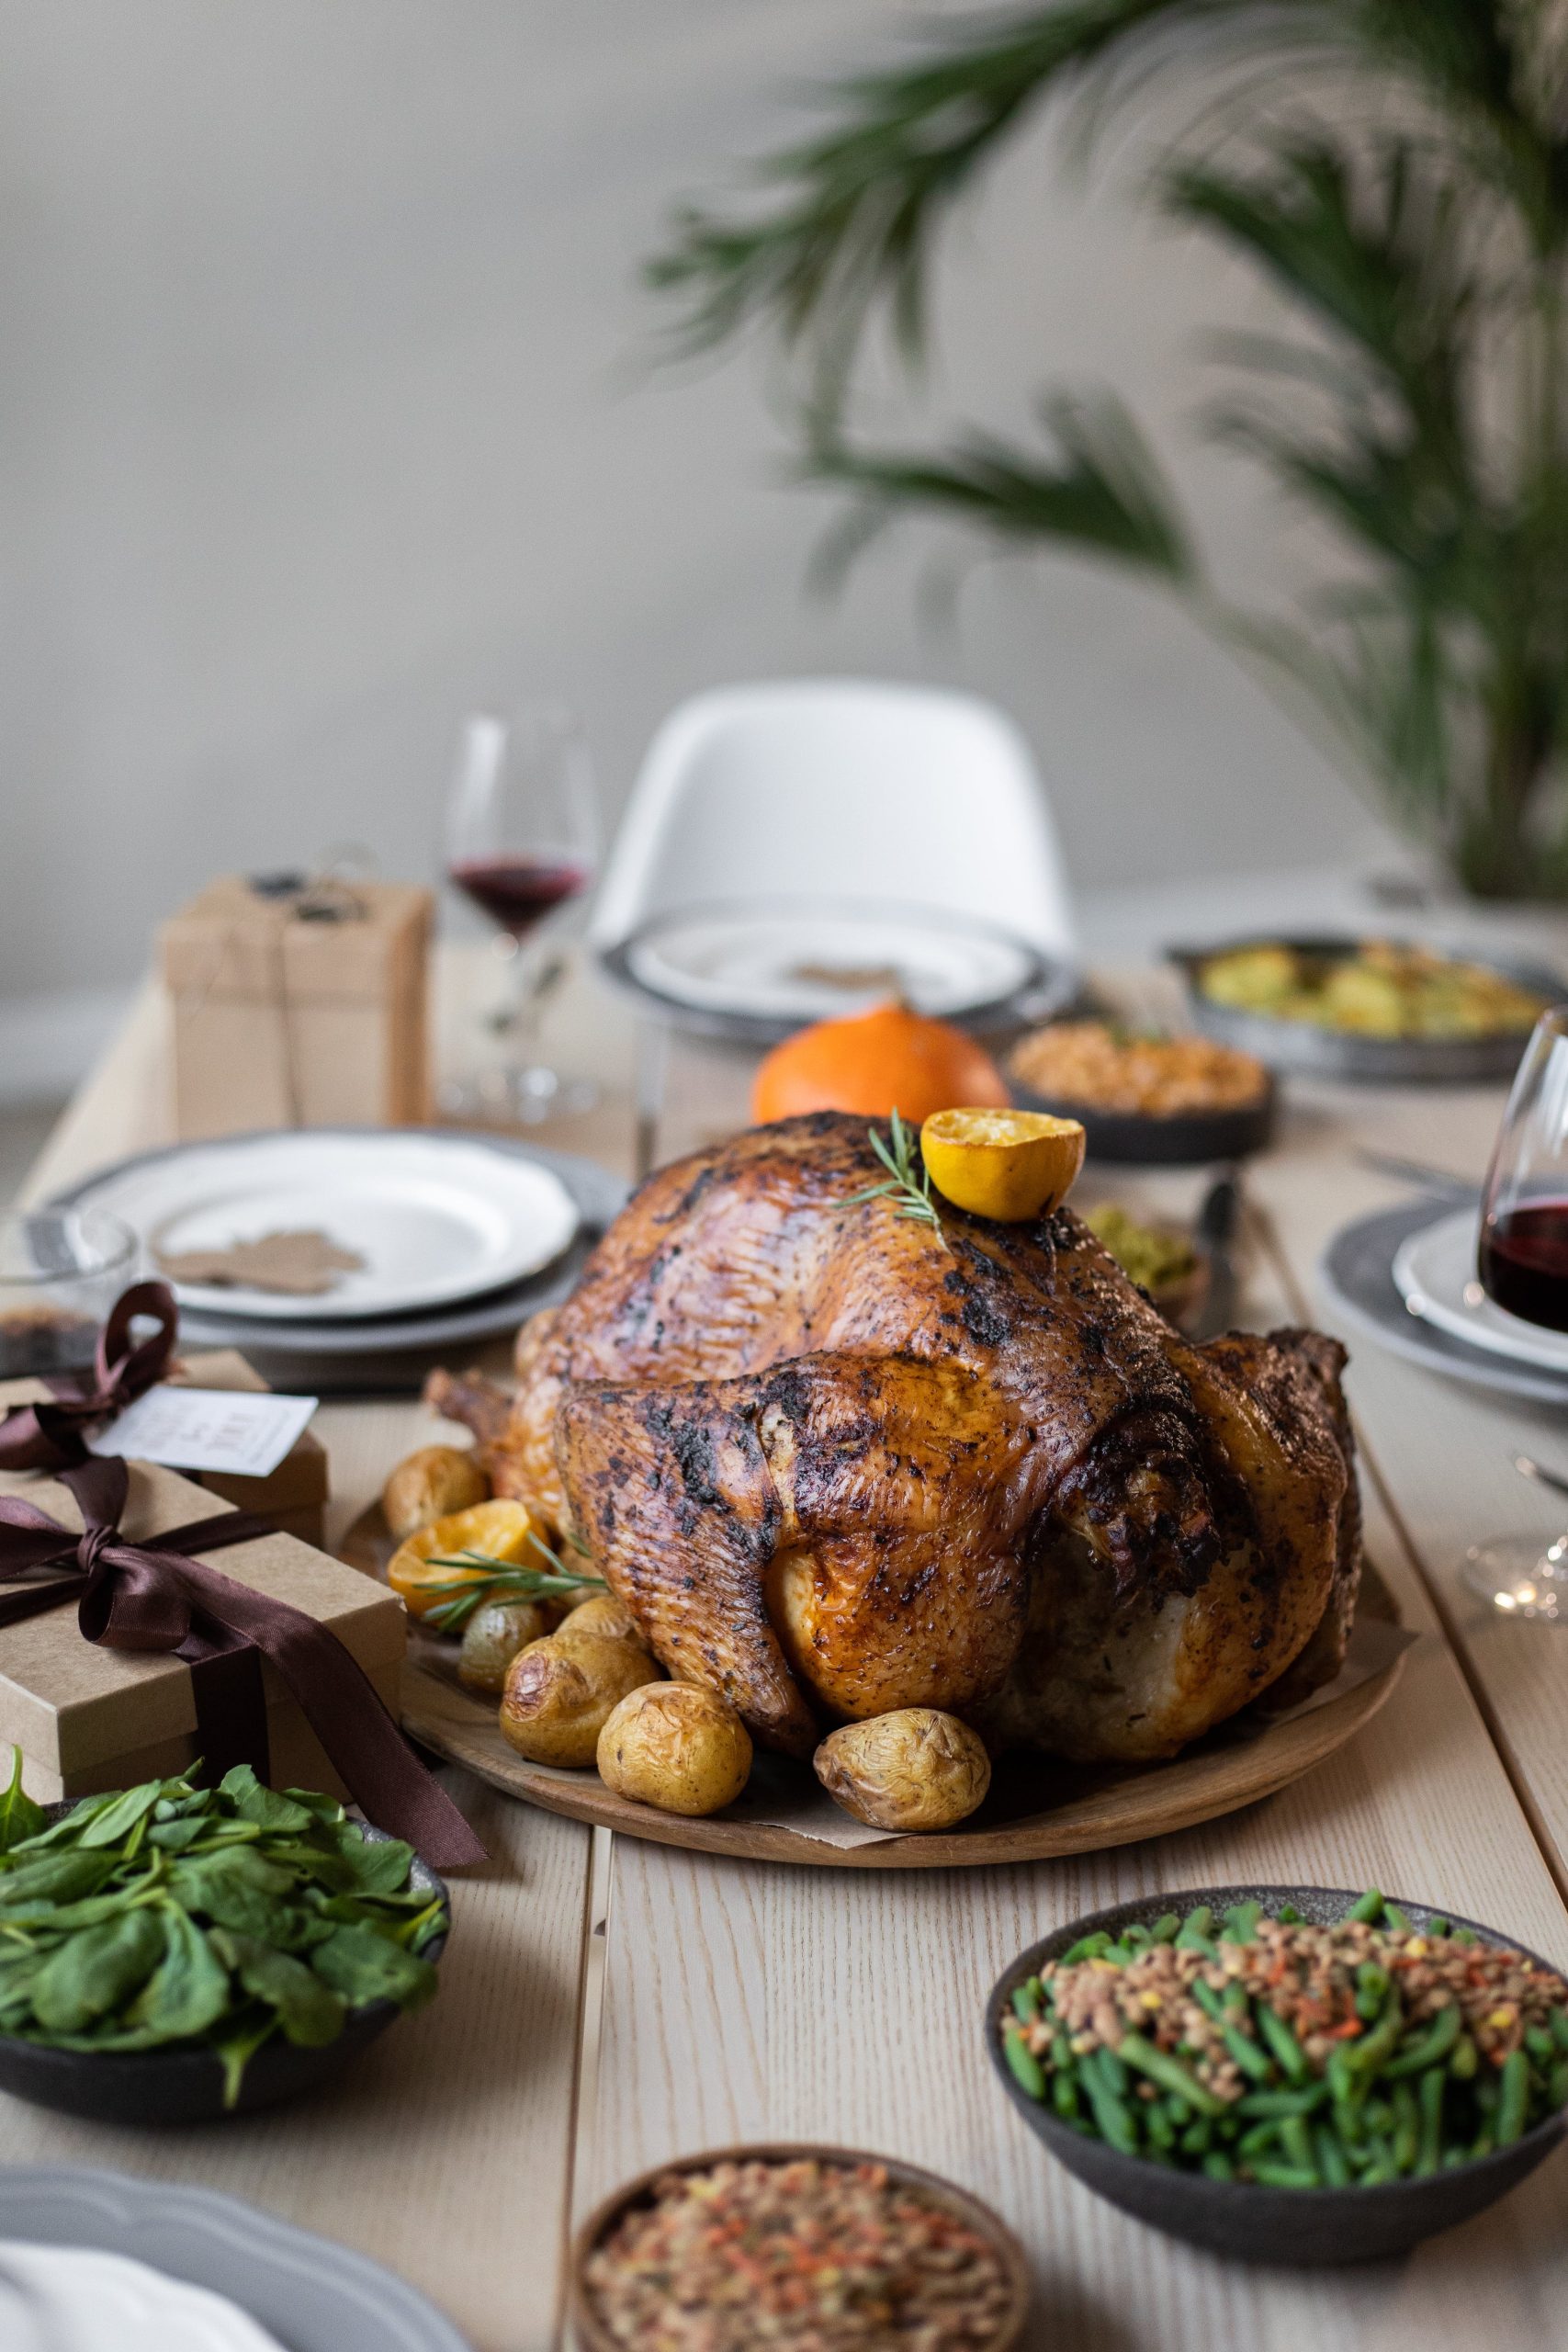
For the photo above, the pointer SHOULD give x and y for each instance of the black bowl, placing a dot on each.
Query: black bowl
(1242, 2219)
(185, 2084)
(1182, 1140)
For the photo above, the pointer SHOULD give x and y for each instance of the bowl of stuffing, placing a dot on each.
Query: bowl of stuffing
(1144, 1097)
(1289, 2075)
(802, 2248)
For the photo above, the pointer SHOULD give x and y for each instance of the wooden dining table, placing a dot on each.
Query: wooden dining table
(608, 2002)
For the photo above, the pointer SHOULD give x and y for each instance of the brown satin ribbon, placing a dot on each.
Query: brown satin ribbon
(153, 1596)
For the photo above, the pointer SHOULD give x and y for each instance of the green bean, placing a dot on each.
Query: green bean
(1406, 2126)
(1197, 2138)
(1371, 1989)
(1199, 1921)
(1240, 1924)
(1379, 2116)
(1378, 2175)
(1086, 1948)
(1193, 1939)
(1246, 2054)
(1349, 2122)
(1170, 2074)
(1369, 2053)
(1165, 1929)
(1261, 2136)
(1366, 1911)
(1454, 2157)
(1465, 1935)
(1027, 2071)
(1395, 1920)
(1119, 1954)
(1136, 1939)
(1285, 2175)
(1302, 2102)
(1513, 2097)
(1113, 2115)
(1433, 2044)
(1464, 2060)
(1208, 1999)
(1341, 2074)
(1486, 2092)
(1330, 2157)
(1296, 2140)
(1113, 2070)
(1288, 1915)
(1540, 2044)
(1559, 2028)
(1026, 2003)
(1218, 2165)
(1065, 2095)
(1484, 2144)
(1429, 2099)
(1436, 1925)
(1158, 2125)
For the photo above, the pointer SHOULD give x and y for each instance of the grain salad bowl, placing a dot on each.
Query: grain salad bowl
(593, 2335)
(1248, 2220)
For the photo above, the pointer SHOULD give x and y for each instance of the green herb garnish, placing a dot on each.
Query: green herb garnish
(508, 1581)
(169, 1914)
(899, 1160)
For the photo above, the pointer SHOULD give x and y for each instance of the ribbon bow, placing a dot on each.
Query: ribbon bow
(153, 1596)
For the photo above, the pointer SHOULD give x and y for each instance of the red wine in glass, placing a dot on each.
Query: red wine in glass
(1524, 1263)
(518, 892)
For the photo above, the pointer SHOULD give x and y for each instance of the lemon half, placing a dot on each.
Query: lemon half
(1010, 1165)
(500, 1530)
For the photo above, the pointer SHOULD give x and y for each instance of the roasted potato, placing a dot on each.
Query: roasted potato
(676, 1745)
(430, 1485)
(494, 1635)
(605, 1618)
(915, 1769)
(558, 1695)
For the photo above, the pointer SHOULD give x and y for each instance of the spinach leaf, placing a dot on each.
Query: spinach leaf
(309, 2013)
(55, 1878)
(232, 1899)
(266, 1807)
(380, 1866)
(94, 1972)
(67, 1830)
(326, 1809)
(19, 1816)
(365, 1966)
(189, 1989)
(173, 1837)
(237, 2045)
(119, 1819)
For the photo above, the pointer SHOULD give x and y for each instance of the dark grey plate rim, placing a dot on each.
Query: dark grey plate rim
(1242, 2196)
(1356, 1270)
(599, 1197)
(1052, 983)
(128, 2063)
(212, 2240)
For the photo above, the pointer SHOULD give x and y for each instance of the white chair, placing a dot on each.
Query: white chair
(843, 788)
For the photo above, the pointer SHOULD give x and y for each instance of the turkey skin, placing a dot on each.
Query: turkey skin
(836, 1462)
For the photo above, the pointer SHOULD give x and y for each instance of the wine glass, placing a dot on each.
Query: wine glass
(1522, 1266)
(522, 841)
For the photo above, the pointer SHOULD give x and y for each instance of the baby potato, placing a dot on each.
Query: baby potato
(494, 1635)
(558, 1695)
(676, 1745)
(914, 1769)
(428, 1485)
(603, 1617)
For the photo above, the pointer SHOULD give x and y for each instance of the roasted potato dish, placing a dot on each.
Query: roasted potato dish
(676, 1745)
(916, 1769)
(430, 1485)
(494, 1635)
(558, 1695)
(603, 1617)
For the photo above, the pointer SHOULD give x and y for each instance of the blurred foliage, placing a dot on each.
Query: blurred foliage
(1398, 170)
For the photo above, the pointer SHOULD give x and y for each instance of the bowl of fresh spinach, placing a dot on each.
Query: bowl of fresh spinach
(171, 1954)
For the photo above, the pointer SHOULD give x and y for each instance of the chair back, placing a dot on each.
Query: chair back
(842, 788)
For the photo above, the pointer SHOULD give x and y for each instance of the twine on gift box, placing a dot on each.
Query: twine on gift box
(151, 1595)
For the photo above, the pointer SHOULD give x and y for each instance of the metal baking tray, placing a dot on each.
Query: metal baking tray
(1304, 1049)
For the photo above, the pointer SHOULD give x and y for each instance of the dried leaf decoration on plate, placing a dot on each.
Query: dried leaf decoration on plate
(302, 1264)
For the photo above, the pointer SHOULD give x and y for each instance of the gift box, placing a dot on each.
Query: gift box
(299, 1004)
(88, 1718)
(294, 1495)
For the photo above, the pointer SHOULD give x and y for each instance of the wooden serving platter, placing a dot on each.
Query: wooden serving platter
(1038, 1807)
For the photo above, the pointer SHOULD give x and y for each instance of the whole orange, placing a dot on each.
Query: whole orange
(876, 1062)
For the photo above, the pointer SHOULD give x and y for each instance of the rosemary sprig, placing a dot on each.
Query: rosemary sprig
(915, 1191)
(510, 1580)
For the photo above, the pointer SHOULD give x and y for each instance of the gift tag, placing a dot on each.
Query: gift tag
(241, 1432)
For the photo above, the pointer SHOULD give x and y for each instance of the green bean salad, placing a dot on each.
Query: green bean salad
(1271, 2050)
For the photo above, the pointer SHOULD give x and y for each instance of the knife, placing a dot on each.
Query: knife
(1215, 1231)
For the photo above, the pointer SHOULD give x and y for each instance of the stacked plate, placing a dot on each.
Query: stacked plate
(429, 1240)
(1406, 1277)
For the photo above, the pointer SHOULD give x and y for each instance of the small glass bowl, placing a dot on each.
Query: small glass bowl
(61, 1272)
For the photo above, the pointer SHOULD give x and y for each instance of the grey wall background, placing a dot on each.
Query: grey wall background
(323, 417)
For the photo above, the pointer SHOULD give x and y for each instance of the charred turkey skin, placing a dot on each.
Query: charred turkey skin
(836, 1462)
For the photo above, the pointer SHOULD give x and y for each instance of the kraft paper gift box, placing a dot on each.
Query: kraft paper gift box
(297, 1008)
(87, 1717)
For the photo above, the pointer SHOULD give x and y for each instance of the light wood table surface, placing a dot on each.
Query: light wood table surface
(608, 2002)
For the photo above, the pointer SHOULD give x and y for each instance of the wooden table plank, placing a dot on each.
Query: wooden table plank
(744, 2000)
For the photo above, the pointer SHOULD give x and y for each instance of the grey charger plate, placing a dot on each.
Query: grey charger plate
(1314, 1052)
(1356, 1272)
(394, 1349)
(312, 2295)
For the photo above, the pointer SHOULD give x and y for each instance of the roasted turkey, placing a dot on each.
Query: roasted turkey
(836, 1462)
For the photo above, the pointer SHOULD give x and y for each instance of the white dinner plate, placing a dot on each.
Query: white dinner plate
(797, 962)
(1435, 1273)
(434, 1217)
